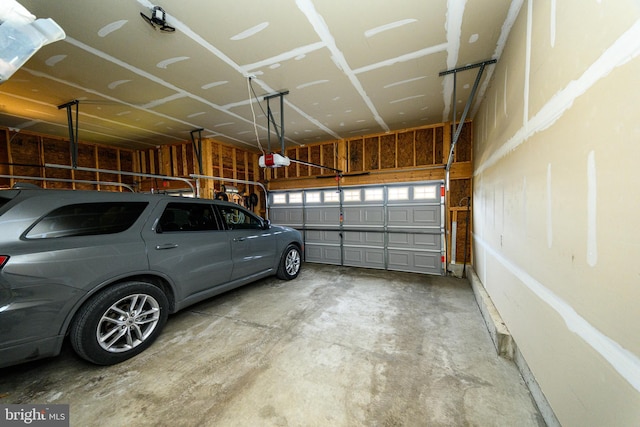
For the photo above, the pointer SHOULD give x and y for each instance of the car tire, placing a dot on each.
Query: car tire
(290, 262)
(119, 322)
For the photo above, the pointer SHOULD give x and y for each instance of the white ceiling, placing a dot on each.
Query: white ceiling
(352, 67)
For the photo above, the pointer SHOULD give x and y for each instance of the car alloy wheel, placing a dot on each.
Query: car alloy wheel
(119, 322)
(289, 263)
(128, 323)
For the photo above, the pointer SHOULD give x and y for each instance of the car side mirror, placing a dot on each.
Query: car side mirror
(266, 224)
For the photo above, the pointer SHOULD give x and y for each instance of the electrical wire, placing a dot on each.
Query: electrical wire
(253, 113)
(275, 126)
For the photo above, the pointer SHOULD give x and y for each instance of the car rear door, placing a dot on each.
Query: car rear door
(187, 243)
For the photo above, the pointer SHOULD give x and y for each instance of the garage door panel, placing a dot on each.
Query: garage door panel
(367, 238)
(364, 215)
(322, 216)
(414, 261)
(278, 216)
(364, 257)
(398, 217)
(428, 215)
(414, 216)
(324, 254)
(289, 217)
(415, 241)
(424, 260)
(323, 236)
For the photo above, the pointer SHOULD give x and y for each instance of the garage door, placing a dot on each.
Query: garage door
(393, 227)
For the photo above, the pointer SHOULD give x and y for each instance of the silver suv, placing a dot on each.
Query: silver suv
(106, 269)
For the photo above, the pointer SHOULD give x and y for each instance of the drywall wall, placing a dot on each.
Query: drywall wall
(557, 203)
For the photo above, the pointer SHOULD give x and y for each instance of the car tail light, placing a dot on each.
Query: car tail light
(3, 260)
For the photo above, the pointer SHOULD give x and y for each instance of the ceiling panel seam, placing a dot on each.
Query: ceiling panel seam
(321, 28)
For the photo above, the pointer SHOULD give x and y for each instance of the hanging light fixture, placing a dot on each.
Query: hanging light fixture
(158, 18)
(22, 35)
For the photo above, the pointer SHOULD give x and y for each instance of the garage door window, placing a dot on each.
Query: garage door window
(424, 192)
(399, 193)
(331, 197)
(280, 199)
(351, 195)
(373, 194)
(295, 198)
(313, 197)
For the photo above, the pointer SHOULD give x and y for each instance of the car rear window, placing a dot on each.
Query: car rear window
(3, 201)
(87, 219)
(187, 217)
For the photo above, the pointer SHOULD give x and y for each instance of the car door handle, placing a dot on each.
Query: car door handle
(239, 239)
(166, 246)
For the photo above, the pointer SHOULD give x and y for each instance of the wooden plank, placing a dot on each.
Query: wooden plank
(186, 169)
(165, 159)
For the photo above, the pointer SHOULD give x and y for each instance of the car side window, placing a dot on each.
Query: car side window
(87, 219)
(187, 217)
(237, 218)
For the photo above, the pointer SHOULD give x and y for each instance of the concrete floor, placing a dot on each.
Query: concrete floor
(336, 347)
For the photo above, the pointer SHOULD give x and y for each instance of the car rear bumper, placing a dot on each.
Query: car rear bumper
(28, 351)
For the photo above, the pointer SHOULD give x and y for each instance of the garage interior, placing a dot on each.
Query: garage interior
(477, 264)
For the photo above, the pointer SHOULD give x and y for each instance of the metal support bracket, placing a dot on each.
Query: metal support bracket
(73, 135)
(302, 162)
(197, 147)
(458, 129)
(271, 120)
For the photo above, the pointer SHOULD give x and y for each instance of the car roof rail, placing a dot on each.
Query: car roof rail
(25, 186)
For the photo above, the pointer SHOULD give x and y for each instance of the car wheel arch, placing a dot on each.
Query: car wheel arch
(161, 282)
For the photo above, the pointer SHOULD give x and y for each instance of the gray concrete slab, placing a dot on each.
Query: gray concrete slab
(338, 346)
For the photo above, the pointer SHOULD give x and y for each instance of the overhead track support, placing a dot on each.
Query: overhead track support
(197, 147)
(73, 135)
(271, 120)
(467, 107)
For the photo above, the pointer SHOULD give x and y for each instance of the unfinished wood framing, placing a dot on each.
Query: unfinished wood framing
(25, 154)
(218, 160)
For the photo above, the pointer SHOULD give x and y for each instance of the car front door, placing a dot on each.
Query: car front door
(189, 244)
(252, 246)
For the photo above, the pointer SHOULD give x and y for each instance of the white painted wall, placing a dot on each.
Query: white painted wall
(557, 203)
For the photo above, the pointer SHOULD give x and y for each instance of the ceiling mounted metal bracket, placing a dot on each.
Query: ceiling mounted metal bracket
(270, 120)
(458, 129)
(197, 147)
(73, 135)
